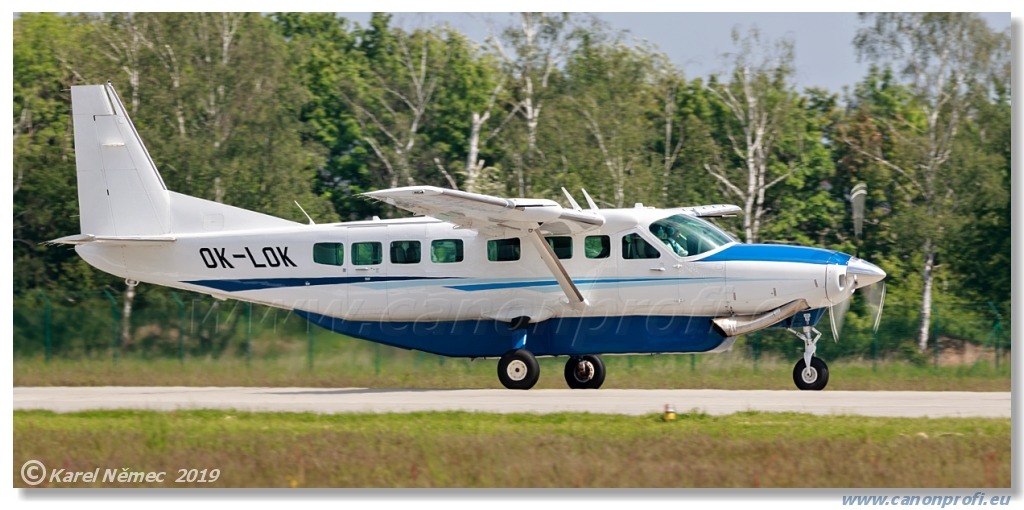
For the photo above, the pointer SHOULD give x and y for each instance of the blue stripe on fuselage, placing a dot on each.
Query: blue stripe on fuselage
(277, 283)
(239, 285)
(470, 287)
(778, 253)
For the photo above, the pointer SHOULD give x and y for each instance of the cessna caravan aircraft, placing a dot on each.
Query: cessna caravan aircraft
(470, 275)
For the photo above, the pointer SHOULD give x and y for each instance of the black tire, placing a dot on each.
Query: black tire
(815, 380)
(518, 370)
(584, 372)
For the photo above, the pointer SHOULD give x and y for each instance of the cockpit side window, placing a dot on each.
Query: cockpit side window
(687, 236)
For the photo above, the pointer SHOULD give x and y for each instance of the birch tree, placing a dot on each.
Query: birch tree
(399, 80)
(945, 60)
(757, 103)
(611, 96)
(530, 52)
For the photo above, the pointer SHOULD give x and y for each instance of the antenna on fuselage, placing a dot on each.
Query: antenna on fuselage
(572, 201)
(590, 201)
(311, 222)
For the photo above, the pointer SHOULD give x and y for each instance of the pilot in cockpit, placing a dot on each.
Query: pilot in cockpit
(672, 238)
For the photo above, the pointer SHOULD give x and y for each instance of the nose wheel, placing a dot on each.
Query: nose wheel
(813, 377)
(584, 372)
(810, 373)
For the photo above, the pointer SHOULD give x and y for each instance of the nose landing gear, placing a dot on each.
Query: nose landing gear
(810, 373)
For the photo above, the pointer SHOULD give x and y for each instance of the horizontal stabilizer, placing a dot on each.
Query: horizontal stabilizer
(116, 240)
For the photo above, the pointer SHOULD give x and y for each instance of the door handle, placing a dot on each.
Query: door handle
(362, 269)
(658, 268)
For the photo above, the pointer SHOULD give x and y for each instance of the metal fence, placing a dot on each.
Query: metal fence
(70, 325)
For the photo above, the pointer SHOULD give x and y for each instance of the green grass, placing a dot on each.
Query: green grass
(382, 367)
(487, 450)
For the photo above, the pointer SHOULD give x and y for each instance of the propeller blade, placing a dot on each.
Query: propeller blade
(878, 314)
(832, 323)
(857, 196)
(837, 316)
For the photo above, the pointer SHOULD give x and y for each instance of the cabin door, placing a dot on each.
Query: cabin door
(647, 275)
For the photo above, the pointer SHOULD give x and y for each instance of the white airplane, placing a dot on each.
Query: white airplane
(475, 276)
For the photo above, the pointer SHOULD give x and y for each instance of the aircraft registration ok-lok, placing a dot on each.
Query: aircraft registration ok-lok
(472, 276)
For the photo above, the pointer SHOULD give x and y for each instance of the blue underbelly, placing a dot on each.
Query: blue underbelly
(558, 336)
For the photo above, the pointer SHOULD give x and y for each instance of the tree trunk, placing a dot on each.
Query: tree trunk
(926, 296)
(474, 150)
(126, 315)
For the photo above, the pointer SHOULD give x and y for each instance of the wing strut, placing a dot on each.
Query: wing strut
(556, 268)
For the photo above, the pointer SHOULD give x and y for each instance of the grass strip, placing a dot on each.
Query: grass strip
(418, 370)
(476, 450)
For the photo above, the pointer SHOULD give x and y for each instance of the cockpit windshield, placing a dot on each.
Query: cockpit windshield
(687, 236)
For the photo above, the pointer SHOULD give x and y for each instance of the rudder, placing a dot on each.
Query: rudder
(120, 191)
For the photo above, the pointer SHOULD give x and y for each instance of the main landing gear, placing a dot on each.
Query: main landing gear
(810, 373)
(518, 368)
(584, 372)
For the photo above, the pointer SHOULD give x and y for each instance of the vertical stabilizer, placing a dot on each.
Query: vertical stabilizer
(120, 192)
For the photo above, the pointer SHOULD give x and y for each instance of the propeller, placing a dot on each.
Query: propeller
(872, 281)
(874, 296)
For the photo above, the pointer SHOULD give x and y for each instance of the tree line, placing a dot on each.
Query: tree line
(260, 111)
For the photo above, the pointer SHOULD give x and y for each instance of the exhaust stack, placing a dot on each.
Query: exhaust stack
(743, 324)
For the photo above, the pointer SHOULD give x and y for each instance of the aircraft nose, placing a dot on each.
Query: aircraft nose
(864, 272)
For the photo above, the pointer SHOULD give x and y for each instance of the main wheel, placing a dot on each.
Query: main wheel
(584, 372)
(812, 378)
(518, 370)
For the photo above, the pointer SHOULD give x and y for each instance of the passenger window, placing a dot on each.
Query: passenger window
(367, 254)
(503, 250)
(445, 251)
(562, 246)
(405, 252)
(597, 247)
(331, 254)
(634, 247)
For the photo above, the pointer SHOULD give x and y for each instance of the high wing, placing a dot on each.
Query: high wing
(500, 217)
(490, 215)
